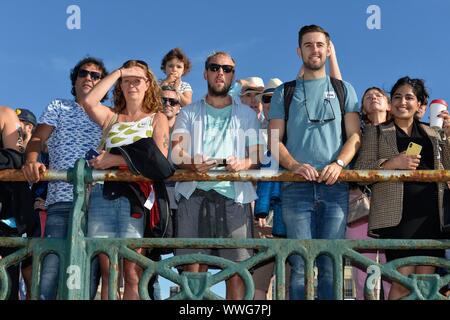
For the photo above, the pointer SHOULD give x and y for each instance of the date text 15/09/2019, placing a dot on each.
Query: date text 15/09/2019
(243, 309)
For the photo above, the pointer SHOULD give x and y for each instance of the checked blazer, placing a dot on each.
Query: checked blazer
(380, 145)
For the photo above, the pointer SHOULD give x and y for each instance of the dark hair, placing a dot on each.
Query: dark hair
(180, 55)
(417, 85)
(76, 69)
(312, 28)
(218, 53)
(364, 116)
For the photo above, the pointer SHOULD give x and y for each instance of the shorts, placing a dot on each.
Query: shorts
(239, 225)
(112, 218)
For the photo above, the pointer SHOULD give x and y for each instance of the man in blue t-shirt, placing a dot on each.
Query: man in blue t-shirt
(69, 133)
(316, 209)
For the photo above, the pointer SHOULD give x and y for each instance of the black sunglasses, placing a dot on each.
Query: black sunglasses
(326, 102)
(173, 102)
(82, 73)
(214, 67)
(266, 98)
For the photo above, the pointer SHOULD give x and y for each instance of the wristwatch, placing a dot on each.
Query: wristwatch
(340, 163)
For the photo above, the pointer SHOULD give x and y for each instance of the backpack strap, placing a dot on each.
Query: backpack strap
(289, 88)
(341, 92)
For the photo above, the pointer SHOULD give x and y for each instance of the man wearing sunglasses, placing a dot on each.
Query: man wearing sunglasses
(69, 133)
(207, 136)
(171, 104)
(317, 208)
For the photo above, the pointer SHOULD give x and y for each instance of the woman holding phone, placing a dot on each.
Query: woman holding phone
(405, 210)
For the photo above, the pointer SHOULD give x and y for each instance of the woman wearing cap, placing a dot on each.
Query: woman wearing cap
(405, 210)
(137, 103)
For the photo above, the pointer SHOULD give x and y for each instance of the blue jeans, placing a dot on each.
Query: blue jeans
(55, 227)
(314, 211)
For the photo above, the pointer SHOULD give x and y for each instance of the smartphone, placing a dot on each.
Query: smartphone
(91, 154)
(414, 149)
(220, 162)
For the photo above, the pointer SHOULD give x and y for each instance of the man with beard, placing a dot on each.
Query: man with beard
(69, 133)
(216, 132)
(316, 209)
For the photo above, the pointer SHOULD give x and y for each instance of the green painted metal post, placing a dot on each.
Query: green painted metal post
(76, 276)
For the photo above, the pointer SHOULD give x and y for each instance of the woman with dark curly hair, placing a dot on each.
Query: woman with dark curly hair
(175, 65)
(137, 108)
(406, 210)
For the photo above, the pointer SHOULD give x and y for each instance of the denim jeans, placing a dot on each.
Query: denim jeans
(314, 211)
(55, 227)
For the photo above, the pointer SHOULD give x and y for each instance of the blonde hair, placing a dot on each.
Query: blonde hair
(152, 98)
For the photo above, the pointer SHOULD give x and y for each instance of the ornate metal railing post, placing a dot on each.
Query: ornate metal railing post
(76, 282)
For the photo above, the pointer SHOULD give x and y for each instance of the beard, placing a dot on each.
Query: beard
(313, 67)
(218, 93)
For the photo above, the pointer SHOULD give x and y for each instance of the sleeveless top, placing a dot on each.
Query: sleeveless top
(125, 133)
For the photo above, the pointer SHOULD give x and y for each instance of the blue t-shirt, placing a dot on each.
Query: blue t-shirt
(314, 126)
(74, 133)
(218, 144)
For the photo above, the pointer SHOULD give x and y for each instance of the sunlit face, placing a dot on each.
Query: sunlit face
(314, 50)
(174, 67)
(85, 84)
(250, 99)
(219, 82)
(404, 103)
(134, 88)
(170, 109)
(375, 102)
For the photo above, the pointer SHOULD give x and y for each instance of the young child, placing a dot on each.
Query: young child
(176, 64)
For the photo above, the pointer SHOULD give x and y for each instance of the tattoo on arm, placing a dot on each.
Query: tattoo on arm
(166, 141)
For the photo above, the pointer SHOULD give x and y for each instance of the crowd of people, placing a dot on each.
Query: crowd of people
(312, 126)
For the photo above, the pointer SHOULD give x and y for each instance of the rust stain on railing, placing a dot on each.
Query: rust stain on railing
(248, 175)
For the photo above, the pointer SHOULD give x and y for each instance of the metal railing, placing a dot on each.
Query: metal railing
(77, 251)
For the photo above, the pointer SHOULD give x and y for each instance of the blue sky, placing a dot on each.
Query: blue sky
(37, 49)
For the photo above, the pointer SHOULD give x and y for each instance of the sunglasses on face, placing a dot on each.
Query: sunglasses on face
(94, 75)
(135, 82)
(266, 98)
(172, 102)
(214, 67)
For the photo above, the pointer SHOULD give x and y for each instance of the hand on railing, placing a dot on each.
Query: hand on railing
(32, 169)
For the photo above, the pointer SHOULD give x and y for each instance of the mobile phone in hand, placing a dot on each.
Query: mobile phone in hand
(414, 149)
(91, 154)
(220, 162)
